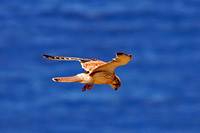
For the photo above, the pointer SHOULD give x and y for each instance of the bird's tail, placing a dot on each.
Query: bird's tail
(64, 58)
(67, 79)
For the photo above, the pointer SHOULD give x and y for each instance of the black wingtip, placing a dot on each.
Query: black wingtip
(120, 53)
(45, 56)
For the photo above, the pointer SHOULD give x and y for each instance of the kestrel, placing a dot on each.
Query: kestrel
(98, 72)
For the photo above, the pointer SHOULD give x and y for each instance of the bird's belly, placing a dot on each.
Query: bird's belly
(84, 78)
(100, 81)
(102, 77)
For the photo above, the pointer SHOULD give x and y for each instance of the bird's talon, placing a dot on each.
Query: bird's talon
(85, 87)
(88, 86)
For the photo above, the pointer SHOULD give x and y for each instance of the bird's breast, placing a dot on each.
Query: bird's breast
(102, 77)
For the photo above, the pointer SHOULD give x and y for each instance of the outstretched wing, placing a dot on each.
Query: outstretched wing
(64, 58)
(87, 64)
(121, 59)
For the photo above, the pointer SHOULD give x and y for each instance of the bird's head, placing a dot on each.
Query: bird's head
(116, 83)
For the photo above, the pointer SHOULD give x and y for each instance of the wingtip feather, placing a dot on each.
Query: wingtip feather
(45, 56)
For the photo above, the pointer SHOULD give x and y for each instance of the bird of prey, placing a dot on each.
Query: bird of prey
(98, 72)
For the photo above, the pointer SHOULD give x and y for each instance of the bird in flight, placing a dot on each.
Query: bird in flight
(98, 72)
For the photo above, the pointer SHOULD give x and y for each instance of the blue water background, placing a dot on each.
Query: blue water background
(160, 90)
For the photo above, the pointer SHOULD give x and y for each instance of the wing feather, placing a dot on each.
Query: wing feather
(121, 59)
(92, 64)
(87, 64)
(65, 58)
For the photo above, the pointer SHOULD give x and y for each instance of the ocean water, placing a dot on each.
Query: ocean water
(160, 89)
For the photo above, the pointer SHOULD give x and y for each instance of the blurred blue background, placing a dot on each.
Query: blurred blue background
(160, 89)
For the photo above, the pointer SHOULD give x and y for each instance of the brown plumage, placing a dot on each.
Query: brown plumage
(98, 72)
